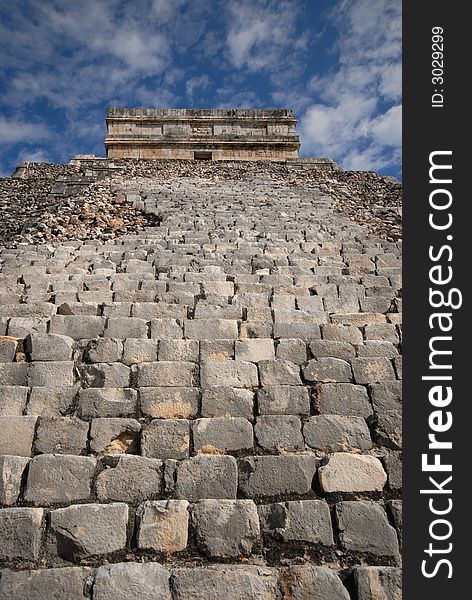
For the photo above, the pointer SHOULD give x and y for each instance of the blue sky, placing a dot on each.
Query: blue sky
(336, 63)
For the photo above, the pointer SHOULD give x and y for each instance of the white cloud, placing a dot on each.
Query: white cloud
(195, 83)
(13, 131)
(353, 119)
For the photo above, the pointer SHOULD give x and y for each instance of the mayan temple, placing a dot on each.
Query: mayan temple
(200, 368)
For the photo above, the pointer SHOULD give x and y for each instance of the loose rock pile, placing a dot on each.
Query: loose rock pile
(32, 214)
(208, 408)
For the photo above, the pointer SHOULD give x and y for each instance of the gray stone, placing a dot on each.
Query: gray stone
(77, 327)
(104, 350)
(326, 349)
(169, 402)
(336, 433)
(126, 581)
(226, 528)
(21, 531)
(220, 435)
(342, 333)
(59, 478)
(126, 327)
(254, 350)
(343, 472)
(224, 401)
(85, 530)
(386, 395)
(305, 521)
(14, 374)
(388, 429)
(114, 375)
(129, 478)
(378, 583)
(327, 370)
(48, 346)
(211, 329)
(371, 370)
(395, 508)
(308, 582)
(163, 526)
(51, 401)
(364, 528)
(107, 402)
(43, 373)
(279, 433)
(393, 465)
(166, 374)
(212, 350)
(12, 400)
(8, 350)
(284, 400)
(207, 477)
(17, 435)
(166, 329)
(292, 350)
(166, 438)
(279, 372)
(66, 583)
(228, 373)
(11, 473)
(232, 582)
(271, 476)
(137, 351)
(343, 399)
(114, 435)
(175, 350)
(61, 435)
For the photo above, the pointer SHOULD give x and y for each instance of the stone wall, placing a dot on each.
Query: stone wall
(222, 134)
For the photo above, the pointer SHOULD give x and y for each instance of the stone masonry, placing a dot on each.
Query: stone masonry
(207, 134)
(207, 408)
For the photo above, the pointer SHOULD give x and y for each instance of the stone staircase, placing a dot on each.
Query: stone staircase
(208, 410)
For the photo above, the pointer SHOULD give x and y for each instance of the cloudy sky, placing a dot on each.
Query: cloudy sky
(336, 63)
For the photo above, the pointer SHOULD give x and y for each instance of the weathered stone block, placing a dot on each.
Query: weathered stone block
(114, 435)
(211, 350)
(378, 583)
(226, 528)
(17, 435)
(393, 465)
(129, 478)
(276, 475)
(114, 375)
(228, 373)
(8, 350)
(50, 401)
(388, 429)
(11, 473)
(308, 582)
(104, 350)
(254, 350)
(175, 350)
(13, 374)
(107, 402)
(207, 477)
(169, 402)
(327, 370)
(43, 373)
(284, 400)
(166, 374)
(47, 347)
(126, 327)
(327, 349)
(279, 372)
(343, 472)
(292, 350)
(66, 583)
(137, 351)
(12, 400)
(225, 401)
(364, 527)
(21, 531)
(78, 327)
(163, 526)
(336, 433)
(166, 329)
(305, 521)
(166, 438)
(54, 478)
(125, 581)
(279, 433)
(85, 530)
(211, 329)
(343, 399)
(371, 370)
(219, 435)
(238, 582)
(61, 435)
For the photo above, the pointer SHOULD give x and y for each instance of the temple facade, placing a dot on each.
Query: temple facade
(206, 134)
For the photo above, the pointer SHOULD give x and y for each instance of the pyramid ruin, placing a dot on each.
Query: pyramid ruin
(200, 377)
